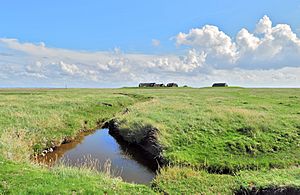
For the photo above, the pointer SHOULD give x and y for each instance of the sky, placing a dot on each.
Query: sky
(121, 43)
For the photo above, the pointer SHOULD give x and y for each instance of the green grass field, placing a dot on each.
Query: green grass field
(223, 129)
(252, 135)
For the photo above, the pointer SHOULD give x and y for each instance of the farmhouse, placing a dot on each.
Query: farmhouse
(146, 84)
(172, 85)
(159, 85)
(220, 85)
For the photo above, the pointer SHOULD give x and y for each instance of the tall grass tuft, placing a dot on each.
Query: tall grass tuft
(15, 146)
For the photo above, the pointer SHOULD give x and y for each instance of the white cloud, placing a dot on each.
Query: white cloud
(192, 62)
(34, 68)
(268, 47)
(246, 42)
(268, 56)
(71, 69)
(287, 76)
(264, 26)
(155, 42)
(216, 44)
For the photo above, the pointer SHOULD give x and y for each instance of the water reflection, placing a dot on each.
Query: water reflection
(102, 152)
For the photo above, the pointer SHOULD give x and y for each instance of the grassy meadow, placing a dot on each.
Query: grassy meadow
(222, 129)
(216, 140)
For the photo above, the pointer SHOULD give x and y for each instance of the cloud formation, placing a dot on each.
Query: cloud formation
(268, 47)
(269, 55)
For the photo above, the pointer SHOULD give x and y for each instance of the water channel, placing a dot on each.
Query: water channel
(103, 152)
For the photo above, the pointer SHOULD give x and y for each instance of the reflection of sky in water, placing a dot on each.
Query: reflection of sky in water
(100, 147)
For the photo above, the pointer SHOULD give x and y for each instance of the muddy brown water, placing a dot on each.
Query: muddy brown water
(103, 152)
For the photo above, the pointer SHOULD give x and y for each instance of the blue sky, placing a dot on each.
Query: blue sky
(132, 24)
(121, 43)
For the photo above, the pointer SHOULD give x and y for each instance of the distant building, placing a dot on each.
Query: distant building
(172, 85)
(159, 85)
(220, 85)
(146, 84)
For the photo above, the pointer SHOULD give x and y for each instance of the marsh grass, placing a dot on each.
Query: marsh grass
(186, 180)
(289, 177)
(46, 118)
(24, 178)
(32, 120)
(244, 132)
(183, 180)
(221, 130)
(91, 164)
(14, 145)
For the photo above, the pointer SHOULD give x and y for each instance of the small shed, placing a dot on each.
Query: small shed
(220, 85)
(172, 85)
(146, 84)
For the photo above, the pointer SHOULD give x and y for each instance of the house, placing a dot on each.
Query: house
(159, 85)
(146, 84)
(172, 85)
(220, 85)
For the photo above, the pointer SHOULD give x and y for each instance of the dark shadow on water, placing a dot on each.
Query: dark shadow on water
(137, 154)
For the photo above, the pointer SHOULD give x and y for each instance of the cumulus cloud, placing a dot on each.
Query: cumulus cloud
(193, 61)
(269, 55)
(214, 43)
(267, 47)
(264, 26)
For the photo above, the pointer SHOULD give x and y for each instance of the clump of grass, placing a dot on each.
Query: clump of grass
(107, 167)
(136, 133)
(248, 130)
(269, 179)
(86, 163)
(182, 180)
(14, 145)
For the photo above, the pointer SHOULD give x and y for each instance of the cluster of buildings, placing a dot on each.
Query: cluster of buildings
(176, 85)
(158, 85)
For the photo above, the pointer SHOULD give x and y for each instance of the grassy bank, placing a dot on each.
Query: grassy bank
(37, 119)
(182, 180)
(221, 129)
(20, 178)
(253, 134)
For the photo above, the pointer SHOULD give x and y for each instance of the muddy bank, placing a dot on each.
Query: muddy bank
(269, 191)
(149, 145)
(55, 144)
(50, 155)
(64, 142)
